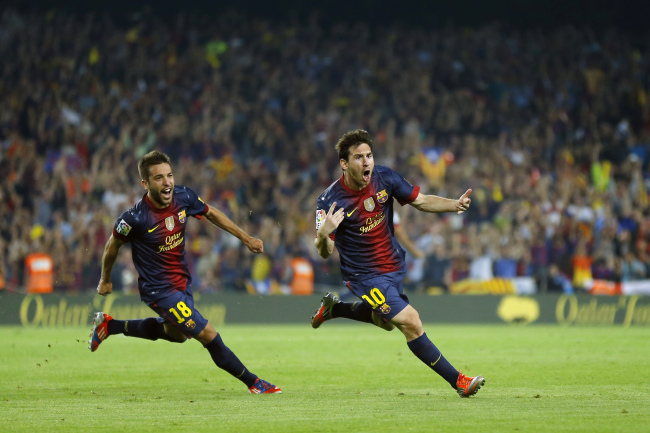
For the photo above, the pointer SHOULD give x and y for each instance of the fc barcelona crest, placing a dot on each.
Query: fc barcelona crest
(181, 216)
(369, 204)
(384, 308)
(382, 196)
(169, 223)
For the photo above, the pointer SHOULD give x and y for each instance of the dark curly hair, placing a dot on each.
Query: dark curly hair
(352, 139)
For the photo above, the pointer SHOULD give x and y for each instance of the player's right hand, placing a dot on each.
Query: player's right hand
(463, 202)
(332, 220)
(104, 288)
(255, 245)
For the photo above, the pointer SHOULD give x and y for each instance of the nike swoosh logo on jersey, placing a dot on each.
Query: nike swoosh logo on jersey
(350, 213)
(150, 230)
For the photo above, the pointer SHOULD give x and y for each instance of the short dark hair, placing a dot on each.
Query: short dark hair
(352, 139)
(152, 158)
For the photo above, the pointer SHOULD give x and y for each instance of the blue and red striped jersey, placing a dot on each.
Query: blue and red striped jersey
(157, 239)
(365, 239)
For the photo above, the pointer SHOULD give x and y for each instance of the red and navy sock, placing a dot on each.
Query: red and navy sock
(428, 353)
(355, 311)
(149, 329)
(228, 361)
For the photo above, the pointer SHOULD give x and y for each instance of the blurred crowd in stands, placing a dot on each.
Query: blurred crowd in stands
(550, 128)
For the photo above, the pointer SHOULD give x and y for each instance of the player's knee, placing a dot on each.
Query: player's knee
(414, 324)
(410, 324)
(413, 329)
(413, 320)
(207, 334)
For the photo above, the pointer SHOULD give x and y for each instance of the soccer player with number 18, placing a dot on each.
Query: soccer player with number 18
(155, 227)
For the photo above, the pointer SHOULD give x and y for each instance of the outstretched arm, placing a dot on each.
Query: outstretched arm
(111, 249)
(435, 204)
(324, 244)
(220, 220)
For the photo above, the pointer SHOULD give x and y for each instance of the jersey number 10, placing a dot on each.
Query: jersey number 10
(377, 298)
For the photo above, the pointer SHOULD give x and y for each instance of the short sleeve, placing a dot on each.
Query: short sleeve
(403, 191)
(125, 227)
(195, 206)
(320, 218)
(321, 211)
(322, 208)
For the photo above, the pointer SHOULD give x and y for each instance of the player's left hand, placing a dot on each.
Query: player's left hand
(255, 245)
(463, 202)
(104, 288)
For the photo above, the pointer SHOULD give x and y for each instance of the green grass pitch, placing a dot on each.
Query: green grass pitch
(342, 377)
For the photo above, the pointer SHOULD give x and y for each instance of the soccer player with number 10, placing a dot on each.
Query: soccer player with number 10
(355, 214)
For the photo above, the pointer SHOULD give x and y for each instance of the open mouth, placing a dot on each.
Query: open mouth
(366, 175)
(166, 193)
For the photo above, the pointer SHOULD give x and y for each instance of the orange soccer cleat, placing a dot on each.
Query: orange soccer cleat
(467, 386)
(99, 332)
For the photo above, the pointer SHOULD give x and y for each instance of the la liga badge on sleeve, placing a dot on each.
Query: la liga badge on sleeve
(123, 228)
(320, 217)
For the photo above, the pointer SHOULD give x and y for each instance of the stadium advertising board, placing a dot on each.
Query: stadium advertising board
(65, 310)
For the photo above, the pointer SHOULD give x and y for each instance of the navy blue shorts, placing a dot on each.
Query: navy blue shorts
(179, 310)
(384, 294)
